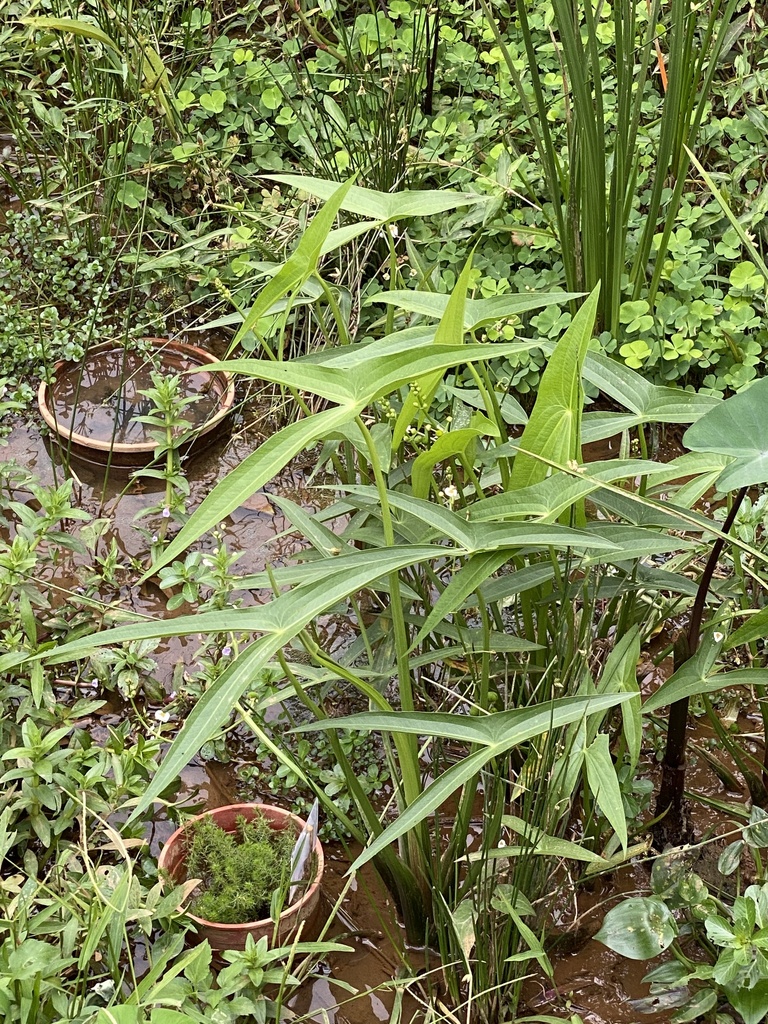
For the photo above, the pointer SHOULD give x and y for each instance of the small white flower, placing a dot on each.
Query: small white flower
(451, 493)
(718, 637)
(226, 651)
(166, 513)
(162, 716)
(172, 695)
(154, 538)
(502, 844)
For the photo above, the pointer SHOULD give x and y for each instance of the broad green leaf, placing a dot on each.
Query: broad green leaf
(495, 734)
(697, 1007)
(301, 264)
(737, 427)
(118, 1015)
(751, 1003)
(463, 921)
(382, 206)
(604, 785)
(554, 429)
(165, 1016)
(730, 858)
(450, 331)
(639, 928)
(477, 312)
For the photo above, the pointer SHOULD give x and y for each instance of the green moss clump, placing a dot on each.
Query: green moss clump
(239, 870)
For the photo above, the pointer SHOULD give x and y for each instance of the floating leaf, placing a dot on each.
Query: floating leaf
(639, 928)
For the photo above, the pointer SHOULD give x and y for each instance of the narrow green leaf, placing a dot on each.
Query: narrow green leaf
(477, 312)
(755, 628)
(496, 734)
(691, 683)
(301, 264)
(253, 472)
(604, 784)
(547, 845)
(554, 429)
(450, 331)
(382, 206)
(73, 26)
(469, 577)
(453, 443)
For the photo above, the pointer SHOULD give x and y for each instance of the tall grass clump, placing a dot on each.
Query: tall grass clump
(591, 184)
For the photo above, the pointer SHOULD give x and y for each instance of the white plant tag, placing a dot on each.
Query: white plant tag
(302, 851)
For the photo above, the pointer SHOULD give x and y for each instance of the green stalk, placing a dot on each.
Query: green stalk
(330, 298)
(406, 745)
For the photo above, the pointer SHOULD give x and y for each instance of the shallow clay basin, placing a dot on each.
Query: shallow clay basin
(92, 407)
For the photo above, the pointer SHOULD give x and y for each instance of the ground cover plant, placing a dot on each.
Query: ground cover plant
(501, 216)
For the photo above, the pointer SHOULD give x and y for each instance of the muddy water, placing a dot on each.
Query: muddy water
(103, 399)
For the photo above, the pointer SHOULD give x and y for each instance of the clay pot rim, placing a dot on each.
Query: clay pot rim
(143, 447)
(294, 909)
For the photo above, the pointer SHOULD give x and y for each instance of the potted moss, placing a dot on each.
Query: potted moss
(243, 855)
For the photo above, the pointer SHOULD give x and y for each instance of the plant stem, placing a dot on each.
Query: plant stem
(669, 804)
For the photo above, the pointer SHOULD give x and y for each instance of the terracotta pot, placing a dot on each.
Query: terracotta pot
(173, 860)
(86, 403)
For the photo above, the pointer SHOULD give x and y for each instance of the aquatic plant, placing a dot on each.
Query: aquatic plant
(503, 576)
(240, 870)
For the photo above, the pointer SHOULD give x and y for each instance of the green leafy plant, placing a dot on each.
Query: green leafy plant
(733, 935)
(240, 871)
(170, 430)
(478, 614)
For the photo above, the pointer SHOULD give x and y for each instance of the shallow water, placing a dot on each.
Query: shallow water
(103, 400)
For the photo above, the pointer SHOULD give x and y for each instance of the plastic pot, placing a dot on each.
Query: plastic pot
(173, 860)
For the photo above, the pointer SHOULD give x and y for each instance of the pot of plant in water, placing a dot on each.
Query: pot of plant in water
(248, 859)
